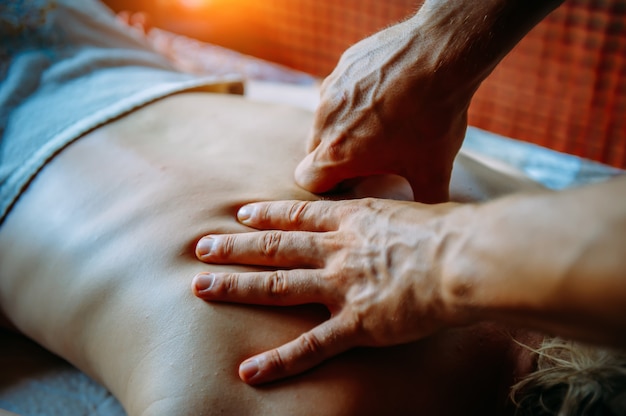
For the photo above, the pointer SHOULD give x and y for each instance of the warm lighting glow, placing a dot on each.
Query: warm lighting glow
(218, 21)
(195, 4)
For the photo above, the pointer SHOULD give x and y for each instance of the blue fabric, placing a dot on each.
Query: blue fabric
(67, 66)
(553, 169)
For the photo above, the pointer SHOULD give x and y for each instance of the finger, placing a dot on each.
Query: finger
(317, 174)
(265, 248)
(305, 352)
(292, 215)
(277, 288)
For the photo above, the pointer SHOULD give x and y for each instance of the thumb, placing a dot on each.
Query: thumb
(317, 174)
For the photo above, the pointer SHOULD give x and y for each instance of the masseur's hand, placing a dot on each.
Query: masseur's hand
(388, 107)
(375, 264)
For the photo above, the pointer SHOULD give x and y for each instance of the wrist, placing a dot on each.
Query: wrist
(492, 267)
(468, 39)
(552, 261)
(450, 35)
(454, 234)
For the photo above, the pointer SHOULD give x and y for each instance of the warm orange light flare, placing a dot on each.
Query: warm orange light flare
(218, 21)
(197, 5)
(194, 4)
(186, 4)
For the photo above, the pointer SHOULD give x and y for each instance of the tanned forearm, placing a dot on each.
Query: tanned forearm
(471, 37)
(553, 261)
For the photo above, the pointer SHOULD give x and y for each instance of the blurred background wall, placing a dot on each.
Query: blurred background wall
(563, 86)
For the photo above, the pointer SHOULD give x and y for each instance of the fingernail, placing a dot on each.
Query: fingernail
(248, 370)
(204, 281)
(245, 213)
(204, 246)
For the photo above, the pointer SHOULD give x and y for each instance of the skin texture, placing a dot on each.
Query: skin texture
(98, 254)
(408, 88)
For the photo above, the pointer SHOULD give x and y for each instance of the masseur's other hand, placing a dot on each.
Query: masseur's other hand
(375, 264)
(388, 107)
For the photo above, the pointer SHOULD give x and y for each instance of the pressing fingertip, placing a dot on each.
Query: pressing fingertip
(311, 178)
(249, 371)
(244, 215)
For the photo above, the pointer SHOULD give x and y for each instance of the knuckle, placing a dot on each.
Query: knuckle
(355, 322)
(370, 203)
(226, 284)
(268, 213)
(224, 246)
(270, 243)
(276, 284)
(353, 325)
(332, 275)
(275, 360)
(297, 212)
(360, 210)
(331, 243)
(309, 344)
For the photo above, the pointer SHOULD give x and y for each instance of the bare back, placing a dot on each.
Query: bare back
(98, 255)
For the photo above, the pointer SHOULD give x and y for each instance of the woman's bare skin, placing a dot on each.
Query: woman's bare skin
(98, 255)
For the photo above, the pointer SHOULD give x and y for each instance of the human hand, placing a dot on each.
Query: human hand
(389, 107)
(375, 264)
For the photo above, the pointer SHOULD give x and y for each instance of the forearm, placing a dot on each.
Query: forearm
(551, 261)
(470, 38)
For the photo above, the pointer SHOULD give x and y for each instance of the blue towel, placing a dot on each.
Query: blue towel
(554, 170)
(66, 67)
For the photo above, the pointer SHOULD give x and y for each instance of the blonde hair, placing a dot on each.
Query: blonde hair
(573, 379)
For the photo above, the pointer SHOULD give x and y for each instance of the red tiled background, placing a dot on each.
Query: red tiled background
(563, 86)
